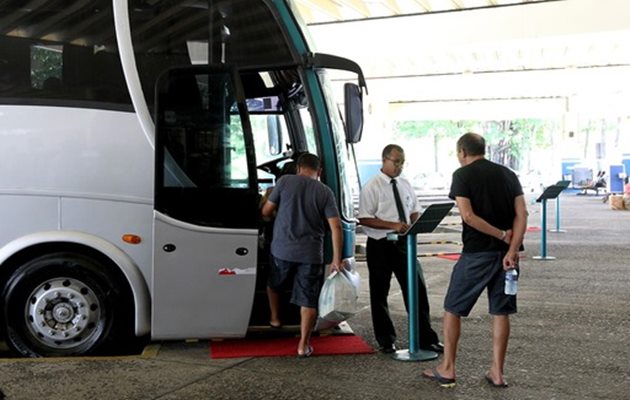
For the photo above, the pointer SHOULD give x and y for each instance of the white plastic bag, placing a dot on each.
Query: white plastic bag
(338, 299)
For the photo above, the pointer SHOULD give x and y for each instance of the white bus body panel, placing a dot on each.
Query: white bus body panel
(106, 219)
(202, 288)
(126, 264)
(82, 170)
(111, 220)
(76, 152)
(22, 215)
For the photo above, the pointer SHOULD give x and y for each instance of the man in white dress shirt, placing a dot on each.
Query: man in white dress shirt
(388, 203)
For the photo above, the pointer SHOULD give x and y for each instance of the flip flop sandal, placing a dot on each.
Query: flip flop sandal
(307, 353)
(495, 385)
(442, 381)
(272, 326)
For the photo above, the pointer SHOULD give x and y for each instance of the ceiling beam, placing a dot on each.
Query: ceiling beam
(457, 4)
(12, 19)
(426, 6)
(393, 6)
(77, 35)
(324, 6)
(357, 5)
(305, 12)
(47, 26)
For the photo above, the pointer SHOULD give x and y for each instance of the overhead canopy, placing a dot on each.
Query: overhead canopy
(536, 57)
(318, 11)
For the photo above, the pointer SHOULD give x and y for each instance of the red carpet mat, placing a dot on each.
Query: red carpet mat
(279, 347)
(453, 257)
(533, 229)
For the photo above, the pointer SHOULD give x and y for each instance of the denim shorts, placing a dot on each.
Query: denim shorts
(306, 281)
(473, 273)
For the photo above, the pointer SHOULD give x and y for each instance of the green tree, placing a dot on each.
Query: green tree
(46, 62)
(509, 142)
(438, 129)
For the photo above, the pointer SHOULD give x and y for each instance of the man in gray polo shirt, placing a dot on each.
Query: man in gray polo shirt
(303, 205)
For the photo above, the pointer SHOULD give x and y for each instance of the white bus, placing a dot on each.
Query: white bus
(136, 138)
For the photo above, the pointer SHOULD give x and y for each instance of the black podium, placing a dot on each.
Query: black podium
(428, 221)
(564, 184)
(551, 192)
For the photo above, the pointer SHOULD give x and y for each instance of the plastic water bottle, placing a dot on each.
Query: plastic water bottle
(511, 281)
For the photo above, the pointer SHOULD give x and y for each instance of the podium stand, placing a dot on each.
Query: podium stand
(551, 192)
(564, 184)
(428, 221)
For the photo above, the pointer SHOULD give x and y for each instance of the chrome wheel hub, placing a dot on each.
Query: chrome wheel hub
(63, 313)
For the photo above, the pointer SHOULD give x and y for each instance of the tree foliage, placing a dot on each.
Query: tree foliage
(437, 128)
(508, 141)
(45, 63)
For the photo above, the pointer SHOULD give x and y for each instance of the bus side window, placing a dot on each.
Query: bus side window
(14, 67)
(47, 64)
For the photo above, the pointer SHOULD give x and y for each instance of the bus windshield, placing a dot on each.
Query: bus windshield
(169, 34)
(344, 167)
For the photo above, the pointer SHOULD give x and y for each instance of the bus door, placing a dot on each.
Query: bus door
(206, 211)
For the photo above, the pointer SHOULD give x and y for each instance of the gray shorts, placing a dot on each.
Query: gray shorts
(307, 279)
(473, 273)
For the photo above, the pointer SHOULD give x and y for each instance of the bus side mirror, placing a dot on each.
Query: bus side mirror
(274, 135)
(353, 102)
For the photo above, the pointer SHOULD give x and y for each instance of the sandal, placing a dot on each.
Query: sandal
(495, 385)
(307, 353)
(442, 381)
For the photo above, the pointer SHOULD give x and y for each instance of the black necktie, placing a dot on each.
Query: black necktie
(399, 206)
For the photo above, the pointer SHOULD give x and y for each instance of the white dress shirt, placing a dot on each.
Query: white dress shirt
(377, 201)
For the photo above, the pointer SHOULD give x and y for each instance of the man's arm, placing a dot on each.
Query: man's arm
(378, 223)
(337, 243)
(478, 223)
(268, 209)
(518, 233)
(368, 208)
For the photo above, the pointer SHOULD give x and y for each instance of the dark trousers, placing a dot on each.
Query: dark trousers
(385, 257)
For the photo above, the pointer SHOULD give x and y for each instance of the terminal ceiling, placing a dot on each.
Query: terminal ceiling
(501, 56)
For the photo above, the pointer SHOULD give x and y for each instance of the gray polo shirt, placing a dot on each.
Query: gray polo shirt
(304, 205)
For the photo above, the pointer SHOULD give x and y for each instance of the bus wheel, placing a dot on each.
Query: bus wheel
(59, 305)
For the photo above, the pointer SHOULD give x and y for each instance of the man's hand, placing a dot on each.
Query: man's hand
(400, 227)
(337, 265)
(508, 236)
(510, 260)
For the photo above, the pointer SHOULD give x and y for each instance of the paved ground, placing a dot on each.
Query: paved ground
(570, 339)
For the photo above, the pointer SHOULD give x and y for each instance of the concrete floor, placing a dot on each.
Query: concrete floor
(570, 339)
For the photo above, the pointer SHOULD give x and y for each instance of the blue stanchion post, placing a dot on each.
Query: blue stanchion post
(412, 287)
(543, 236)
(558, 214)
(413, 353)
(561, 185)
(427, 222)
(557, 230)
(543, 242)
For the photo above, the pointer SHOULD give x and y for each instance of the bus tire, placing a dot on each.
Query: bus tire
(61, 304)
